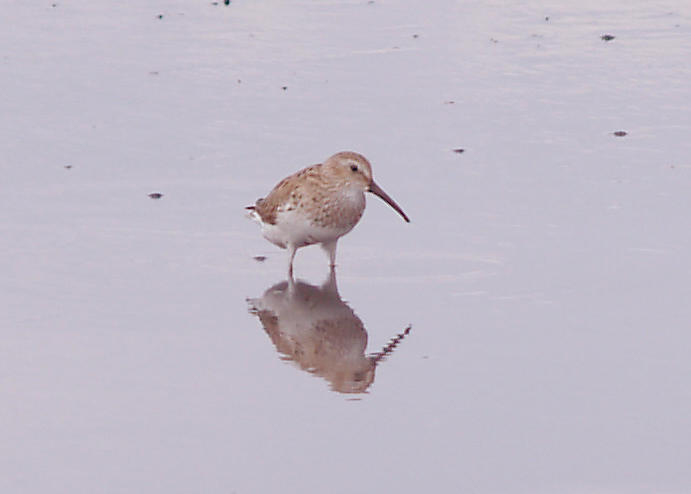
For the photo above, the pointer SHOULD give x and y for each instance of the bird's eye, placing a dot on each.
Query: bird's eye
(353, 167)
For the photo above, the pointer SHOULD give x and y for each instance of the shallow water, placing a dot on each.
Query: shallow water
(544, 277)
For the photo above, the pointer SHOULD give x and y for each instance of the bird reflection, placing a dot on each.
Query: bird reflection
(314, 328)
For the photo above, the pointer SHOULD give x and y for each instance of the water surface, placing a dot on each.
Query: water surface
(545, 274)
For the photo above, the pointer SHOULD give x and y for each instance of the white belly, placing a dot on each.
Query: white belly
(307, 224)
(294, 228)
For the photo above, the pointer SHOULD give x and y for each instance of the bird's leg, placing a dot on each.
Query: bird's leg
(330, 248)
(291, 249)
(329, 285)
(291, 285)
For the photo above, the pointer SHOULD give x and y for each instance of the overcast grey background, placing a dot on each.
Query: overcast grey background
(545, 272)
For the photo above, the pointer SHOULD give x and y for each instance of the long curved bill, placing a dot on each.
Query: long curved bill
(376, 190)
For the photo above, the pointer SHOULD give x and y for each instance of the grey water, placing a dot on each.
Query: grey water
(527, 332)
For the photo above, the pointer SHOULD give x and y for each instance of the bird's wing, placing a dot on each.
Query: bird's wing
(287, 193)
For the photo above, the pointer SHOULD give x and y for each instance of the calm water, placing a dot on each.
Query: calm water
(526, 333)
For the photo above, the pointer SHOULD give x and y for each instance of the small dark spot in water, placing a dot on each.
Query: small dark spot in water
(153, 72)
(68, 167)
(459, 150)
(416, 36)
(214, 3)
(607, 37)
(239, 81)
(227, 2)
(547, 18)
(155, 195)
(284, 87)
(54, 5)
(160, 16)
(449, 102)
(620, 133)
(494, 40)
(371, 2)
(259, 258)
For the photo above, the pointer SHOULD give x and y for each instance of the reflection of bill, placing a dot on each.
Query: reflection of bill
(313, 327)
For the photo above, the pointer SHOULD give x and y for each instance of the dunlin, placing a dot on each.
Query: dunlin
(313, 327)
(319, 204)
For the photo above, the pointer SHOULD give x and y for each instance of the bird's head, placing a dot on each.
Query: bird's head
(354, 170)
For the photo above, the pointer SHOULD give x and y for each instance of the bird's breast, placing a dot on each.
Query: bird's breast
(341, 210)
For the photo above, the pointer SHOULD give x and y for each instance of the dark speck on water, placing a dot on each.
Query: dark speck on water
(259, 258)
(546, 17)
(459, 150)
(68, 167)
(620, 133)
(160, 16)
(155, 195)
(607, 37)
(284, 87)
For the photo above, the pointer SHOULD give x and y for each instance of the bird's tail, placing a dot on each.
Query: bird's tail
(252, 213)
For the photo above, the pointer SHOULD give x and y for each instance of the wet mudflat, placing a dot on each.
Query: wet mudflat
(526, 332)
